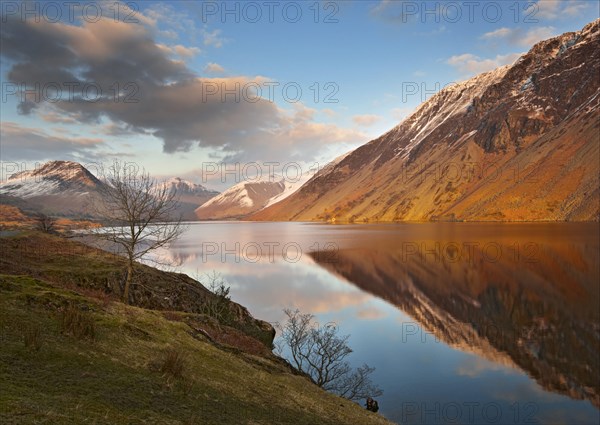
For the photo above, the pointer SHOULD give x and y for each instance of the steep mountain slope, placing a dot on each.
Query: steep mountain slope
(51, 178)
(518, 143)
(190, 195)
(242, 199)
(57, 187)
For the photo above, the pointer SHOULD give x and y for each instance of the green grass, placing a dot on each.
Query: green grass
(116, 377)
(67, 263)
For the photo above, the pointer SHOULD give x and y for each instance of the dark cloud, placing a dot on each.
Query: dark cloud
(22, 143)
(157, 95)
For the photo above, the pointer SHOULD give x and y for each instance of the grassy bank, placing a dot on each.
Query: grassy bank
(73, 354)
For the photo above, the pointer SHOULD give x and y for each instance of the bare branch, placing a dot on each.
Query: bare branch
(320, 352)
(139, 213)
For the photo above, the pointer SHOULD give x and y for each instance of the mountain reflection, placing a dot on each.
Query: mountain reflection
(527, 299)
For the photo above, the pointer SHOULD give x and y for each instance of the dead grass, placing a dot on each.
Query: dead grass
(78, 323)
(173, 363)
(32, 337)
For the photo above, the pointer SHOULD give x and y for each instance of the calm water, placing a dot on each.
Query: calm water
(465, 323)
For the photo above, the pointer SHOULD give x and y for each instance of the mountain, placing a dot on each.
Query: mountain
(67, 188)
(517, 143)
(186, 188)
(190, 195)
(54, 177)
(242, 199)
(57, 187)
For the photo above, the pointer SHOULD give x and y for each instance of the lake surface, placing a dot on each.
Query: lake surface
(465, 323)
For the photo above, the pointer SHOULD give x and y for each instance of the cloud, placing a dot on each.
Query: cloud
(329, 113)
(55, 118)
(574, 8)
(213, 38)
(556, 9)
(370, 313)
(23, 143)
(365, 120)
(143, 89)
(532, 36)
(469, 64)
(215, 68)
(499, 33)
(179, 50)
(399, 114)
(519, 37)
(112, 129)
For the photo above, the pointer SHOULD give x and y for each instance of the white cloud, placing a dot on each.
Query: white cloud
(179, 50)
(186, 51)
(399, 114)
(519, 37)
(575, 8)
(213, 38)
(329, 113)
(556, 9)
(499, 33)
(213, 68)
(537, 34)
(365, 120)
(469, 64)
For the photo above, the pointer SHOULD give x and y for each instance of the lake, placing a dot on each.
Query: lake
(468, 323)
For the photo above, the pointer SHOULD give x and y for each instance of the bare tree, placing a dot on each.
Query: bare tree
(45, 223)
(218, 306)
(140, 213)
(320, 352)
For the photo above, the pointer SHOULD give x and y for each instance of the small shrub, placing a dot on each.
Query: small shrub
(104, 298)
(218, 304)
(78, 323)
(32, 337)
(173, 363)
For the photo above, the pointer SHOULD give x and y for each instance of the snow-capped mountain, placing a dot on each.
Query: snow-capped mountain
(190, 195)
(188, 188)
(54, 177)
(242, 199)
(68, 188)
(516, 143)
(293, 185)
(57, 187)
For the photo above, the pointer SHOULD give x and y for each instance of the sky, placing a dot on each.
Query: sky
(212, 91)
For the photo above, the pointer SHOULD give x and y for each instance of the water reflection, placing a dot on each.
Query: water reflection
(478, 316)
(528, 301)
